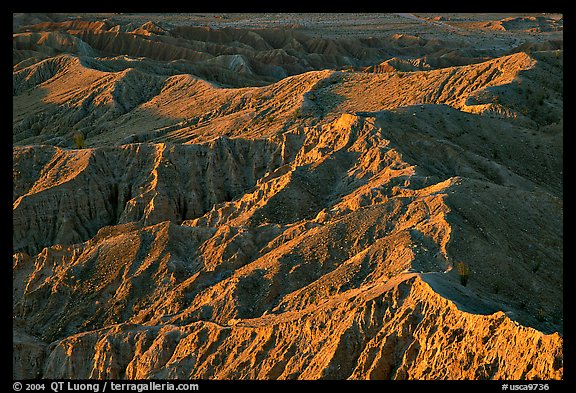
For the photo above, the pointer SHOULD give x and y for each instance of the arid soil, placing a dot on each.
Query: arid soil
(288, 196)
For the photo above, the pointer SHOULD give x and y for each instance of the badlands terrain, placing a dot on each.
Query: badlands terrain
(288, 196)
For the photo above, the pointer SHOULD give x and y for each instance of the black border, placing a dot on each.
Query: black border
(332, 7)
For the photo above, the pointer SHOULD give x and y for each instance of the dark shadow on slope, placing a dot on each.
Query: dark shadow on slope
(506, 225)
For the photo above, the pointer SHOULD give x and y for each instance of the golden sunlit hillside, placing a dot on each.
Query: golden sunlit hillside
(288, 196)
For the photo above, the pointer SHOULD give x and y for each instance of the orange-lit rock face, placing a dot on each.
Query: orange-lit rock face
(265, 204)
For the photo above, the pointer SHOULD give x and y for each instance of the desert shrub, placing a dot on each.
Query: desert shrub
(497, 287)
(523, 304)
(463, 272)
(541, 101)
(540, 314)
(79, 140)
(557, 316)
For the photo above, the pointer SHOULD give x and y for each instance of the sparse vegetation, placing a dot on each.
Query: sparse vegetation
(463, 272)
(540, 314)
(557, 316)
(79, 140)
(497, 287)
(541, 101)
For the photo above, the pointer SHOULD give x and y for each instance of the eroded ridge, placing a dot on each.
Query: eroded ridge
(256, 203)
(334, 212)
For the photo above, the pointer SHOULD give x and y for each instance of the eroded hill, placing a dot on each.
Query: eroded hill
(307, 226)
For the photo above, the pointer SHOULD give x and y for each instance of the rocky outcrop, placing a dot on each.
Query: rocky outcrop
(28, 355)
(329, 222)
(408, 332)
(267, 55)
(119, 101)
(71, 194)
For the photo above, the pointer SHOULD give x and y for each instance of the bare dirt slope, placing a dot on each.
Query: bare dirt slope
(301, 215)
